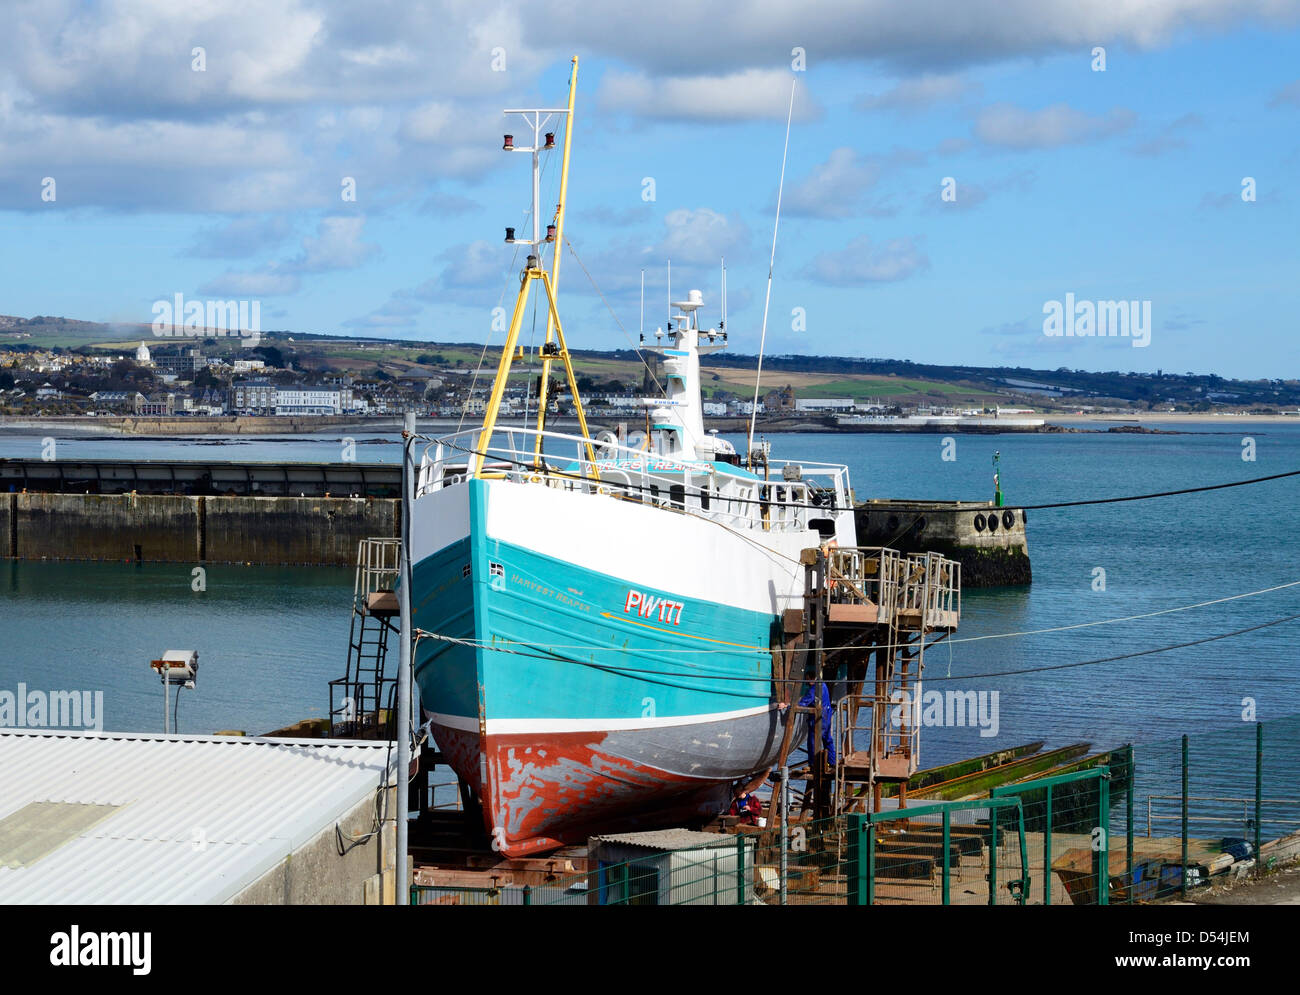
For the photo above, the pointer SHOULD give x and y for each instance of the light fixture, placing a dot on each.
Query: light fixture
(177, 668)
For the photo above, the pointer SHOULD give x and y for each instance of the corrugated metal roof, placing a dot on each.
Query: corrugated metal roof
(668, 839)
(200, 817)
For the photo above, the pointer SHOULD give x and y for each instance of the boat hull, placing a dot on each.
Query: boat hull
(608, 665)
(543, 790)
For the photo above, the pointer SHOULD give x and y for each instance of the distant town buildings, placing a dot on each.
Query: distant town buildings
(811, 404)
(158, 404)
(182, 363)
(310, 399)
(253, 397)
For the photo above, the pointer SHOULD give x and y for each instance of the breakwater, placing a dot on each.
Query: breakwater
(990, 543)
(200, 477)
(177, 528)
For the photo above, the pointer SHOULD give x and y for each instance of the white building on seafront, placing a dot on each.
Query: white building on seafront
(311, 399)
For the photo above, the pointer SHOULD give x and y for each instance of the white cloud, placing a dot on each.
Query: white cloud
(749, 95)
(240, 237)
(1016, 127)
(249, 285)
(700, 237)
(918, 36)
(429, 122)
(858, 263)
(104, 96)
(834, 188)
(336, 245)
(922, 91)
(1289, 94)
(1170, 137)
(969, 194)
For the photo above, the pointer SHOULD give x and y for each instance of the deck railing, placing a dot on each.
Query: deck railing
(793, 497)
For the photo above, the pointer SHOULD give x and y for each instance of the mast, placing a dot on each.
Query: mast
(551, 350)
(557, 252)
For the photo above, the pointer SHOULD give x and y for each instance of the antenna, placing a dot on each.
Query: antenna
(670, 295)
(762, 342)
(723, 326)
(642, 306)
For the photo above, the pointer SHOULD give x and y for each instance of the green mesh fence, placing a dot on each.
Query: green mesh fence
(947, 853)
(1213, 802)
(1157, 821)
(1071, 855)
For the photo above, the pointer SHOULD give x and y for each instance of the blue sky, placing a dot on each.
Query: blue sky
(226, 182)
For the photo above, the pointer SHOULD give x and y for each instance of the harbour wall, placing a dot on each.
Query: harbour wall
(169, 528)
(198, 477)
(991, 544)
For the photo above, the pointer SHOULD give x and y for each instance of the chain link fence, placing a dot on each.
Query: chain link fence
(1153, 822)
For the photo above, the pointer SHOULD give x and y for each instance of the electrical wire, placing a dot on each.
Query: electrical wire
(1126, 656)
(1128, 618)
(822, 507)
(961, 639)
(949, 639)
(1158, 494)
(556, 657)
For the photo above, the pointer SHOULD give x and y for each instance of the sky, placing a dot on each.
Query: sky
(953, 169)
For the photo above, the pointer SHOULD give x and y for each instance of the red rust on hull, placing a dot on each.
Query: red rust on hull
(544, 794)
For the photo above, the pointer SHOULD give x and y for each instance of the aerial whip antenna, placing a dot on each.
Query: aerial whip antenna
(722, 322)
(767, 300)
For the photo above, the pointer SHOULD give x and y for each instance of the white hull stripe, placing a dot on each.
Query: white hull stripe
(516, 726)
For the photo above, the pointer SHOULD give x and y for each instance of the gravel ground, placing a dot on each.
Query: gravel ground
(1279, 888)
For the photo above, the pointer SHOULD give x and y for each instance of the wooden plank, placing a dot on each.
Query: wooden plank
(858, 614)
(978, 782)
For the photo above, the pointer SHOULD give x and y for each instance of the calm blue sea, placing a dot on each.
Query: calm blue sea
(269, 638)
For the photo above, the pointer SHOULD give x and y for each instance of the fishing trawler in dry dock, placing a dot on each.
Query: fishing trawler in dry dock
(605, 614)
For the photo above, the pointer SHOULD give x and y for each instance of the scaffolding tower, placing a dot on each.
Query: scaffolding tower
(868, 614)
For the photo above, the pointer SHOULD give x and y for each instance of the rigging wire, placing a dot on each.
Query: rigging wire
(514, 261)
(771, 265)
(611, 668)
(610, 309)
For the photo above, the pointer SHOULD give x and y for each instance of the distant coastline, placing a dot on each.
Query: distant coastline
(93, 427)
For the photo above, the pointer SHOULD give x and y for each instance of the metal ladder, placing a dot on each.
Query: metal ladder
(360, 700)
